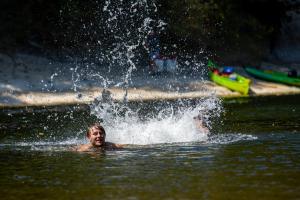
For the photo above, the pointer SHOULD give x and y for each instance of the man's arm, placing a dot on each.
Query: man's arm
(115, 146)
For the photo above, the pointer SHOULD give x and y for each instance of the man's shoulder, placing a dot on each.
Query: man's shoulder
(83, 147)
(89, 147)
(113, 145)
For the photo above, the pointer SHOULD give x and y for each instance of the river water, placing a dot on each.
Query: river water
(253, 152)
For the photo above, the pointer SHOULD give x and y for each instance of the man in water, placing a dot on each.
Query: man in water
(200, 124)
(96, 136)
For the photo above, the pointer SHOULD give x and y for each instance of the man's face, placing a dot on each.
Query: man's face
(96, 137)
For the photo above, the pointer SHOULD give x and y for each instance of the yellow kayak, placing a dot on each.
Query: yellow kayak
(233, 82)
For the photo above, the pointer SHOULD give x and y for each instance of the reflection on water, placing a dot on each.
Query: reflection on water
(253, 168)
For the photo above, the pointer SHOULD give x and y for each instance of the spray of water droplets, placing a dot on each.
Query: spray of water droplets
(112, 60)
(168, 123)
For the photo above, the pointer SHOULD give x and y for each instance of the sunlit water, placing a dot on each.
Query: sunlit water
(252, 152)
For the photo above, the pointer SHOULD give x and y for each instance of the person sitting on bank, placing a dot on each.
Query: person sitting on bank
(96, 136)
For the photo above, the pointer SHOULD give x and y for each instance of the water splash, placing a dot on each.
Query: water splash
(170, 123)
(119, 54)
(127, 25)
(115, 46)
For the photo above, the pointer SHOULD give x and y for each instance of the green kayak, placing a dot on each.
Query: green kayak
(233, 82)
(274, 76)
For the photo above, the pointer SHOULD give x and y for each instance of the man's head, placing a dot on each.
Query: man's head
(96, 135)
(201, 120)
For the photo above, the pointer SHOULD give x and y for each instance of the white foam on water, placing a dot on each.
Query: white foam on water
(170, 125)
(72, 141)
(230, 138)
(169, 130)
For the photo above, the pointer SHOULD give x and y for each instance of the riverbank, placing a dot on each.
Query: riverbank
(34, 81)
(206, 88)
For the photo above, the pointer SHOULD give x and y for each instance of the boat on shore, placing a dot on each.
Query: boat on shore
(274, 76)
(232, 81)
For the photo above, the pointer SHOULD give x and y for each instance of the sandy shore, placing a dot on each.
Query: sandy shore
(34, 81)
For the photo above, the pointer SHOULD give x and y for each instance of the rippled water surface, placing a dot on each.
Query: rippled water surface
(252, 153)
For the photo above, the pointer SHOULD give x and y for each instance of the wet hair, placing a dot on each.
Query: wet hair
(202, 119)
(95, 125)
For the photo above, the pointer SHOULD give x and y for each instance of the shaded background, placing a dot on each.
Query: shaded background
(230, 31)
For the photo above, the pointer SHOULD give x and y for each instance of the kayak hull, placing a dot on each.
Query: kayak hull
(273, 76)
(241, 84)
